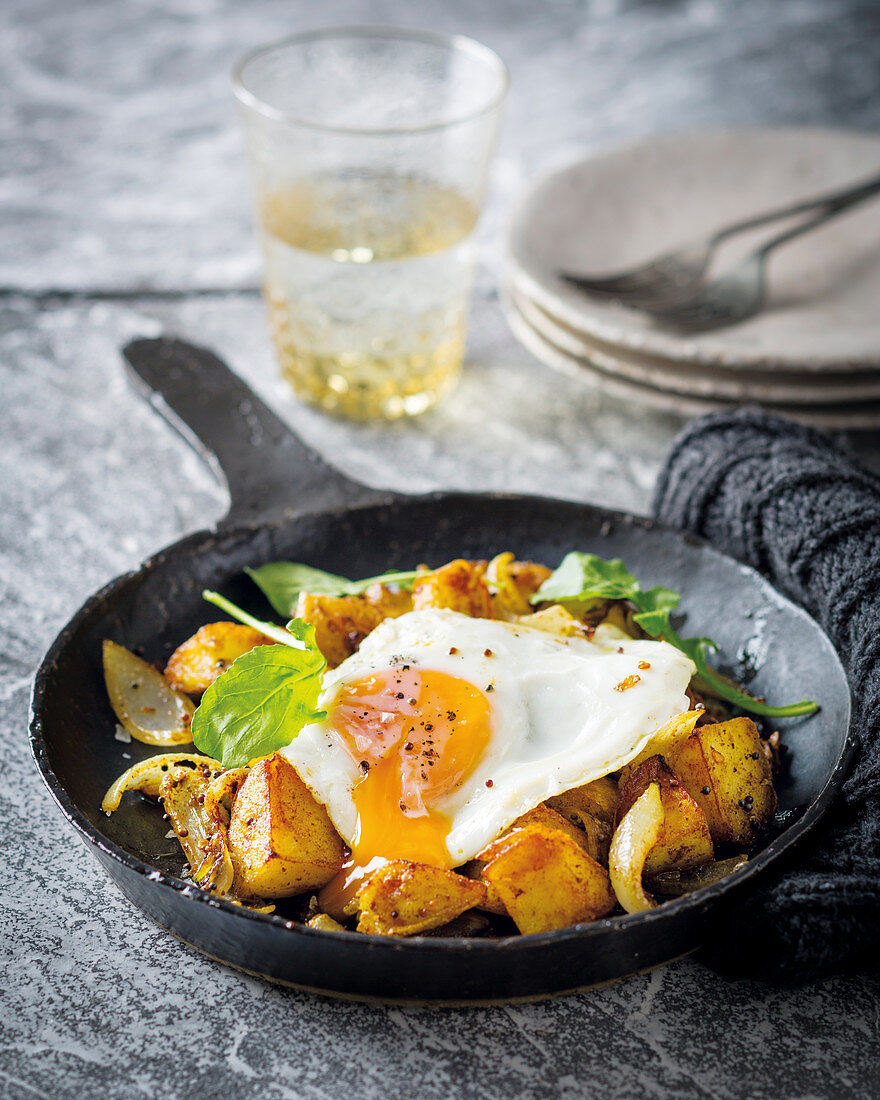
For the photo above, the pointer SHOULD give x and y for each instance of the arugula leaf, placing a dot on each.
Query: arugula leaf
(282, 582)
(586, 576)
(263, 699)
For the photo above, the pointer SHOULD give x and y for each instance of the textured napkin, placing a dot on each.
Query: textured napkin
(785, 500)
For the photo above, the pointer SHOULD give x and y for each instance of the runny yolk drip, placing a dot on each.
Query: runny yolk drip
(416, 734)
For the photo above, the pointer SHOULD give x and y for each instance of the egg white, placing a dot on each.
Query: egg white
(557, 719)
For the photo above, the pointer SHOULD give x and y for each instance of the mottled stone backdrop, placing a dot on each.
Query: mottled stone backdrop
(126, 212)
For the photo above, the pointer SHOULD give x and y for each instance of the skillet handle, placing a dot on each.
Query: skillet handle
(269, 471)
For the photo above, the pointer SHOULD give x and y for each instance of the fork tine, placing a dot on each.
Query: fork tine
(623, 284)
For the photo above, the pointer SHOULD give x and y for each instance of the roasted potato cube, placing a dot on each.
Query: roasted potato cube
(726, 771)
(511, 583)
(281, 840)
(684, 841)
(198, 661)
(528, 576)
(388, 603)
(459, 586)
(540, 815)
(402, 898)
(341, 623)
(547, 881)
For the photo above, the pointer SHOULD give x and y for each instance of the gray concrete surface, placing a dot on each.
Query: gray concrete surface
(126, 213)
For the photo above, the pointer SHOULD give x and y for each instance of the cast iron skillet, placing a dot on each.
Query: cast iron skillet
(287, 504)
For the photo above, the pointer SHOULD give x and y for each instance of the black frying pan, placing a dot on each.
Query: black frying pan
(287, 504)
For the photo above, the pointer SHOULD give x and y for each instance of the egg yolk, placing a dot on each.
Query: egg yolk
(416, 735)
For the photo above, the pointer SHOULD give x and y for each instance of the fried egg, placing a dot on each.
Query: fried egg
(443, 729)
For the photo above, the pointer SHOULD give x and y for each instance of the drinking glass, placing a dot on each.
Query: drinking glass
(369, 151)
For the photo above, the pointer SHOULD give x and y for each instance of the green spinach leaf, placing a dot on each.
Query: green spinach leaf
(282, 582)
(265, 697)
(586, 576)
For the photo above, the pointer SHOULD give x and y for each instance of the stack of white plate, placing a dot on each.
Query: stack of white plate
(813, 353)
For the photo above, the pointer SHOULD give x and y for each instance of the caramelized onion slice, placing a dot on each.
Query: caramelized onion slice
(666, 740)
(633, 838)
(146, 705)
(198, 825)
(147, 776)
(677, 883)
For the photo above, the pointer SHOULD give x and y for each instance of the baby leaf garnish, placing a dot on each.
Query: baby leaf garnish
(282, 582)
(586, 576)
(265, 697)
(283, 637)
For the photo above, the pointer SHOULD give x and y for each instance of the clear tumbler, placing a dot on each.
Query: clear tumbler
(370, 149)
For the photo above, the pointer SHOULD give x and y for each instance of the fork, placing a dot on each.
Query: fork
(739, 293)
(674, 276)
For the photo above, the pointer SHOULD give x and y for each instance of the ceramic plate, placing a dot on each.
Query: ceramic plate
(855, 416)
(623, 207)
(695, 380)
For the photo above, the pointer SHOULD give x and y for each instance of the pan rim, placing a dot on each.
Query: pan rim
(468, 946)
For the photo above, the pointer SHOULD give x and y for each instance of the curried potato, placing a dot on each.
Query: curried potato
(197, 663)
(540, 815)
(683, 841)
(459, 586)
(281, 840)
(726, 771)
(402, 898)
(388, 603)
(511, 583)
(547, 881)
(341, 623)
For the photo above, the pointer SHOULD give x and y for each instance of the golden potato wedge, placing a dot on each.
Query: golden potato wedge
(459, 586)
(726, 771)
(547, 881)
(511, 583)
(528, 576)
(341, 623)
(540, 815)
(388, 603)
(198, 661)
(402, 898)
(281, 840)
(684, 841)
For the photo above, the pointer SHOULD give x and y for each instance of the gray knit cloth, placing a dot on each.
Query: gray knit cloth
(785, 500)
